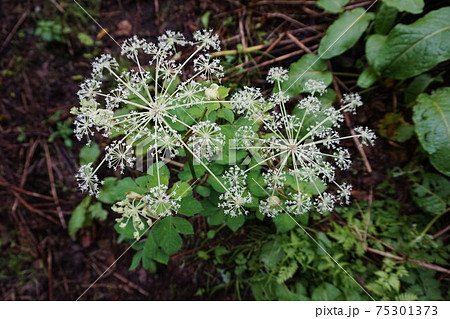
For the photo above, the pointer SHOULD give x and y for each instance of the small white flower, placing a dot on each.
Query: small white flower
(119, 155)
(351, 102)
(245, 137)
(105, 61)
(313, 87)
(87, 180)
(274, 178)
(310, 104)
(170, 39)
(206, 140)
(208, 67)
(298, 204)
(159, 203)
(89, 89)
(234, 200)
(325, 203)
(167, 142)
(190, 92)
(277, 74)
(206, 40)
(235, 177)
(131, 47)
(367, 136)
(343, 193)
(270, 207)
(248, 101)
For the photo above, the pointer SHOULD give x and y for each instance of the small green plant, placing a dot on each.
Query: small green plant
(50, 31)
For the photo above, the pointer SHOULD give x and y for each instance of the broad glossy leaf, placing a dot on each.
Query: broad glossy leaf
(411, 6)
(332, 6)
(373, 45)
(344, 33)
(431, 115)
(432, 194)
(367, 78)
(385, 19)
(412, 49)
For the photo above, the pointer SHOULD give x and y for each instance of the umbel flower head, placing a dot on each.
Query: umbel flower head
(299, 151)
(154, 101)
(158, 104)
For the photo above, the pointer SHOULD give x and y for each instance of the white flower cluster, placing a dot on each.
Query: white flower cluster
(236, 195)
(143, 104)
(141, 210)
(301, 148)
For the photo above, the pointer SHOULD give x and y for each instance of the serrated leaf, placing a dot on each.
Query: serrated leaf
(413, 49)
(344, 33)
(234, 223)
(189, 206)
(308, 67)
(431, 115)
(89, 153)
(332, 6)
(166, 236)
(182, 226)
(325, 292)
(411, 6)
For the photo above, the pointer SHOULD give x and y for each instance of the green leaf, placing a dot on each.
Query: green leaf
(432, 194)
(367, 78)
(98, 212)
(413, 49)
(163, 171)
(385, 19)
(411, 6)
(418, 85)
(183, 226)
(332, 6)
(213, 181)
(256, 184)
(181, 189)
(166, 236)
(226, 114)
(374, 44)
(344, 33)
(189, 206)
(205, 19)
(431, 115)
(89, 153)
(234, 223)
(78, 217)
(306, 68)
(203, 190)
(284, 222)
(136, 260)
(325, 292)
(85, 39)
